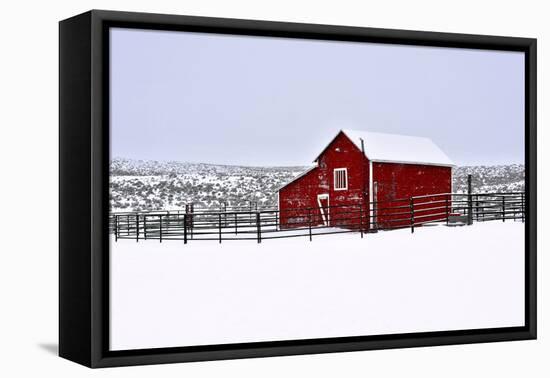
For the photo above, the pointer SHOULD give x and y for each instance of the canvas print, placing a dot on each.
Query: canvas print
(267, 189)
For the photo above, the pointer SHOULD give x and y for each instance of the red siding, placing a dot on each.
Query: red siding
(297, 197)
(396, 184)
(345, 204)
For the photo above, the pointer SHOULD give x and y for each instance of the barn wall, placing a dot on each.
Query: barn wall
(297, 197)
(345, 204)
(398, 182)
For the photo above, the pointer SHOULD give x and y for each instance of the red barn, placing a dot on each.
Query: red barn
(365, 177)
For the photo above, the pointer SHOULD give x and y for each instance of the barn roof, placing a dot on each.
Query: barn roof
(394, 148)
(298, 176)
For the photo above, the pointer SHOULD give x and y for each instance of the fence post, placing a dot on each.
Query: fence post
(160, 228)
(235, 223)
(522, 207)
(116, 227)
(184, 228)
(361, 219)
(447, 212)
(220, 227)
(258, 227)
(412, 214)
(375, 214)
(127, 225)
(477, 208)
(137, 227)
(470, 207)
(503, 208)
(191, 218)
(309, 222)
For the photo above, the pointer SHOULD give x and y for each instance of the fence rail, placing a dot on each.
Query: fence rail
(268, 223)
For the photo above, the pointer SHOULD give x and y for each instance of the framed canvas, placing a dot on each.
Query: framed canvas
(236, 188)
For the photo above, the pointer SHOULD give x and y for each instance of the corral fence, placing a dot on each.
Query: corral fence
(270, 223)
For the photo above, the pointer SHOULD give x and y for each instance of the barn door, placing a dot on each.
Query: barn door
(322, 200)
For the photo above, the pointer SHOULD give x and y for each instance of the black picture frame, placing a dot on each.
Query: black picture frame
(84, 174)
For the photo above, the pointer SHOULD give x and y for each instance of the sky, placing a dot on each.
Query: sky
(263, 101)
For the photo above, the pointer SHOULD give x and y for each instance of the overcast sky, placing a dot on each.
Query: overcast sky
(275, 101)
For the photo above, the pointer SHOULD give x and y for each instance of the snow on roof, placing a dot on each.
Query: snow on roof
(393, 148)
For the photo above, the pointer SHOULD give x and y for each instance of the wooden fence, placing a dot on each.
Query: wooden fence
(244, 224)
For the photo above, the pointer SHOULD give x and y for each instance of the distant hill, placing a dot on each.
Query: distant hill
(153, 185)
(490, 178)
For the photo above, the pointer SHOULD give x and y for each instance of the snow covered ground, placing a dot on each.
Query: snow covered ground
(439, 278)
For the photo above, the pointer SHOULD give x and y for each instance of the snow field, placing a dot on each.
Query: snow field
(439, 278)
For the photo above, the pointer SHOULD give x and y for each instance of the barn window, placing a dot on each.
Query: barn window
(341, 179)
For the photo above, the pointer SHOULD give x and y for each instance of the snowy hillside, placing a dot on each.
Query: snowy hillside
(490, 178)
(152, 185)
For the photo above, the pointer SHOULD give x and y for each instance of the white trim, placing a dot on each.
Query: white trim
(326, 219)
(345, 170)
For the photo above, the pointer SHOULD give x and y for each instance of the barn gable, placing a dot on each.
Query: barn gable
(298, 177)
(393, 148)
(340, 141)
